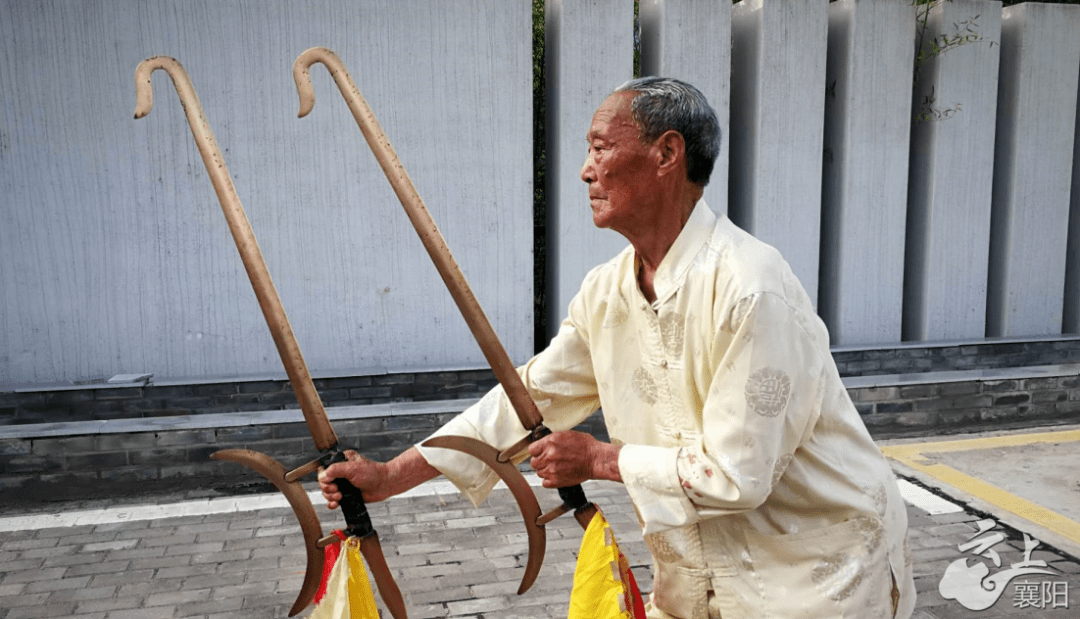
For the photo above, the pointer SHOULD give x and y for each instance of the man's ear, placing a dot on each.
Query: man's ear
(671, 151)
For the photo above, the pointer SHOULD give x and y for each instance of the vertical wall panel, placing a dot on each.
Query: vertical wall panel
(867, 122)
(691, 40)
(777, 106)
(1037, 98)
(589, 49)
(1071, 322)
(951, 176)
(114, 254)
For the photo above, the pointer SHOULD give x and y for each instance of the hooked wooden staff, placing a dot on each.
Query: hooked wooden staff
(352, 503)
(573, 497)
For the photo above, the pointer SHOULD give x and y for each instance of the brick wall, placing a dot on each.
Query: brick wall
(951, 406)
(163, 439)
(68, 403)
(922, 357)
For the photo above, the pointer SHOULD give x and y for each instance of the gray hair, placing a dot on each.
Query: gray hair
(664, 104)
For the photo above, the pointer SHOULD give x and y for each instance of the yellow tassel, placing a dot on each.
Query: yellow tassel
(598, 587)
(361, 598)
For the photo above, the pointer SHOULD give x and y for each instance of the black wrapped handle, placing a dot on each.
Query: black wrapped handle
(357, 520)
(572, 496)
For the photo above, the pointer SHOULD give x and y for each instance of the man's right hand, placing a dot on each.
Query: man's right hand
(377, 481)
(367, 475)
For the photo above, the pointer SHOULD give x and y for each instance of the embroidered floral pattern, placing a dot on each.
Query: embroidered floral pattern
(672, 330)
(768, 391)
(781, 466)
(662, 548)
(881, 500)
(737, 315)
(837, 576)
(644, 386)
(616, 314)
(871, 532)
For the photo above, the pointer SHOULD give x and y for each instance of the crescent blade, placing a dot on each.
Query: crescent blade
(303, 509)
(519, 488)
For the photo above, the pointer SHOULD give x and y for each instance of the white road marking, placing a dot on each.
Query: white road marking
(200, 507)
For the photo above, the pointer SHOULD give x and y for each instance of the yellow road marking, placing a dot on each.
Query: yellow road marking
(984, 442)
(914, 455)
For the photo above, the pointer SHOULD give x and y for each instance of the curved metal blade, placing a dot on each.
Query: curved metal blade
(526, 500)
(384, 580)
(302, 508)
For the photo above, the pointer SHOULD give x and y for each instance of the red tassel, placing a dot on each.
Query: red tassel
(332, 552)
(635, 594)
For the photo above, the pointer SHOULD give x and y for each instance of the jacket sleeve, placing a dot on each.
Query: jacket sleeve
(561, 382)
(762, 403)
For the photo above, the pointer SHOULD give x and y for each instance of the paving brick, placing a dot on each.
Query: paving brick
(126, 544)
(158, 612)
(432, 595)
(80, 594)
(254, 613)
(277, 531)
(106, 567)
(60, 609)
(159, 562)
(222, 536)
(121, 577)
(476, 606)
(109, 604)
(220, 556)
(190, 549)
(178, 597)
(278, 550)
(214, 580)
(150, 540)
(13, 601)
(252, 543)
(186, 571)
(210, 607)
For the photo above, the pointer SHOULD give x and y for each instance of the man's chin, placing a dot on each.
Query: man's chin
(599, 214)
(599, 220)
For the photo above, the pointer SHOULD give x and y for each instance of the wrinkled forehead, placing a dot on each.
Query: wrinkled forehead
(613, 114)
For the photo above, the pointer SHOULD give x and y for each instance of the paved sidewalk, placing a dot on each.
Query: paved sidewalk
(451, 560)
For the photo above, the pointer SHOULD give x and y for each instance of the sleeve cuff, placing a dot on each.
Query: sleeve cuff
(651, 476)
(471, 476)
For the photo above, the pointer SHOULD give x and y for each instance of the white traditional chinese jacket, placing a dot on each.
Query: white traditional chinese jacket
(758, 488)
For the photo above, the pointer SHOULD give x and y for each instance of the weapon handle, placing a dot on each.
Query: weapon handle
(572, 496)
(352, 503)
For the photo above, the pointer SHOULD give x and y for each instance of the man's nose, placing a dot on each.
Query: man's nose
(588, 174)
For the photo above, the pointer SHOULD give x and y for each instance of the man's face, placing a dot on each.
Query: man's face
(618, 169)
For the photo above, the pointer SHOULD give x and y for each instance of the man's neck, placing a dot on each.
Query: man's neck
(651, 247)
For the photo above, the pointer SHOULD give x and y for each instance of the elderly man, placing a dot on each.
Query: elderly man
(758, 488)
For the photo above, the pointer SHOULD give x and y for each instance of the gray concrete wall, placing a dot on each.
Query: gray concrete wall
(1037, 98)
(867, 122)
(114, 257)
(951, 174)
(777, 112)
(114, 254)
(691, 40)
(1071, 322)
(589, 52)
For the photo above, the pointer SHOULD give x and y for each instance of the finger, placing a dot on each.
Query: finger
(334, 471)
(537, 448)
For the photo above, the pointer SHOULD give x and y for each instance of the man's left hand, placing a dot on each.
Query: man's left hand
(569, 458)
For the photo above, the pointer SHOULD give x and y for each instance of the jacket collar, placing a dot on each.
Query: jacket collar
(671, 273)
